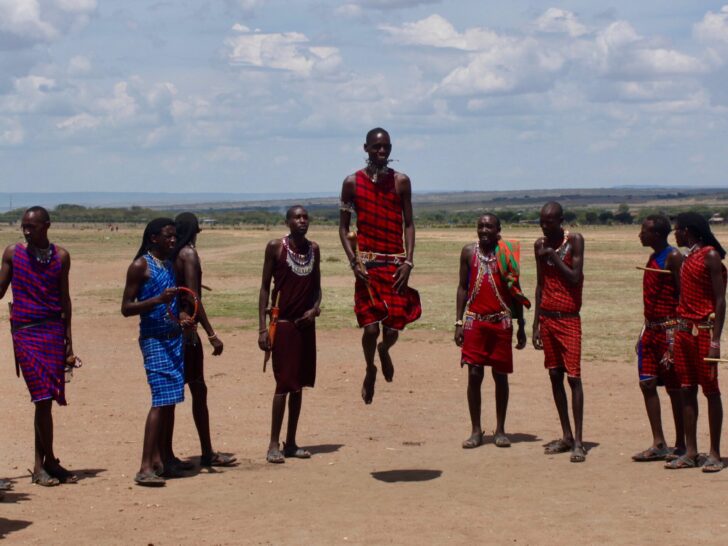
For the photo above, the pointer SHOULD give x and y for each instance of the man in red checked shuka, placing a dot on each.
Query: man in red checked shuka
(656, 365)
(382, 201)
(488, 297)
(557, 323)
(700, 314)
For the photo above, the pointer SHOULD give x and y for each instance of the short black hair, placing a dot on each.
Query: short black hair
(660, 223)
(374, 132)
(553, 206)
(289, 212)
(39, 210)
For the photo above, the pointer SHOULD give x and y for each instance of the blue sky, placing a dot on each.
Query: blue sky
(272, 96)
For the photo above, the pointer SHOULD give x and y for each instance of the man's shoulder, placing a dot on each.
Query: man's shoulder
(187, 253)
(62, 252)
(9, 251)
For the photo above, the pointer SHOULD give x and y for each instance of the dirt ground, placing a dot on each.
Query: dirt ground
(389, 473)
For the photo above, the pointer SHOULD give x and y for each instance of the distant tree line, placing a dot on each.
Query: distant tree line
(329, 215)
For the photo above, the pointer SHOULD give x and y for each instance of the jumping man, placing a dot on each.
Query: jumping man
(151, 293)
(700, 314)
(488, 297)
(189, 274)
(655, 345)
(557, 323)
(293, 264)
(382, 200)
(41, 331)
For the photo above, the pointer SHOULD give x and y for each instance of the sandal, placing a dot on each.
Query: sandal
(712, 464)
(149, 479)
(475, 440)
(682, 462)
(651, 454)
(578, 455)
(217, 459)
(275, 456)
(43, 478)
(6, 485)
(63, 475)
(295, 452)
(501, 440)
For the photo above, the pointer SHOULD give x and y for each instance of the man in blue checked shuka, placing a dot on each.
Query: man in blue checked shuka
(151, 292)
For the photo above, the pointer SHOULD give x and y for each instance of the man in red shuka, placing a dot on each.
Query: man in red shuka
(700, 314)
(488, 298)
(382, 200)
(655, 362)
(557, 323)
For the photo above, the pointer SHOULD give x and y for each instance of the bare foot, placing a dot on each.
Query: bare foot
(386, 360)
(367, 389)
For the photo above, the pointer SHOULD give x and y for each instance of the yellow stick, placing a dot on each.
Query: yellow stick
(667, 271)
(708, 359)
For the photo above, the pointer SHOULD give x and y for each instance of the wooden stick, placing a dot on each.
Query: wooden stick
(707, 359)
(205, 287)
(666, 271)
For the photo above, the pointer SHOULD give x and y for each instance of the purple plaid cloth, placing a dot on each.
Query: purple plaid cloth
(40, 351)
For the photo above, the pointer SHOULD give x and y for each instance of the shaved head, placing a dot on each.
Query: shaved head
(552, 208)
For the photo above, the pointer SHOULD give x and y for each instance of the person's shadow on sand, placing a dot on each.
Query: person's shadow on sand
(8, 526)
(324, 448)
(514, 437)
(406, 475)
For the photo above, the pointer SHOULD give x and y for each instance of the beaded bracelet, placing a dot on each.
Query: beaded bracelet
(715, 344)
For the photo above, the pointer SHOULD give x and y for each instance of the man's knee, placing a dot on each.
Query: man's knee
(371, 330)
(475, 373)
(648, 386)
(390, 335)
(575, 383)
(556, 375)
(500, 378)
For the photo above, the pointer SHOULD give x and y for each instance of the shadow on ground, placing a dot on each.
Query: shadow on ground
(86, 473)
(515, 438)
(406, 475)
(324, 448)
(8, 526)
(12, 496)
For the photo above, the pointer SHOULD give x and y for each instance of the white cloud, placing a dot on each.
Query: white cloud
(385, 5)
(27, 22)
(436, 31)
(713, 27)
(560, 21)
(288, 51)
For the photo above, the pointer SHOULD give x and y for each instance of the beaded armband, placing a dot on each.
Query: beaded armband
(346, 207)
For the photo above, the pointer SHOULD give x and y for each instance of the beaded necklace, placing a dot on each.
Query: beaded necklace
(562, 250)
(160, 263)
(42, 255)
(300, 264)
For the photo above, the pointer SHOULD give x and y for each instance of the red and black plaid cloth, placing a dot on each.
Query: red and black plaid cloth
(659, 291)
(557, 293)
(697, 300)
(561, 339)
(378, 214)
(400, 309)
(690, 367)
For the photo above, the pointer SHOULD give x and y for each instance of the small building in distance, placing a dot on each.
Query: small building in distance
(208, 222)
(716, 219)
